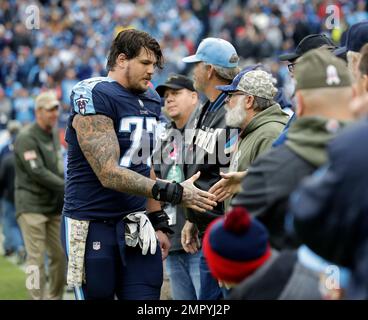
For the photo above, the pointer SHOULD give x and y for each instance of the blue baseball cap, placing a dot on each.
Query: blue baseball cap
(356, 38)
(234, 85)
(215, 51)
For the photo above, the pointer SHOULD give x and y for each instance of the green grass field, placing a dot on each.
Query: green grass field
(12, 281)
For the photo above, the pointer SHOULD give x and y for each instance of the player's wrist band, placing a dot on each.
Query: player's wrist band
(167, 192)
(159, 220)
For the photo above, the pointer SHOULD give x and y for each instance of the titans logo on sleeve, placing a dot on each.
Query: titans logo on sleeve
(81, 102)
(135, 117)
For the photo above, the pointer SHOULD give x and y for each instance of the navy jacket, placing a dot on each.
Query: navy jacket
(330, 208)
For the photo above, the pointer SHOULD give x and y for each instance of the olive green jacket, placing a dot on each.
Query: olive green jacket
(258, 136)
(39, 174)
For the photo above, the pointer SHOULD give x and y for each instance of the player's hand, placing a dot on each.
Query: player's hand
(227, 186)
(195, 198)
(164, 243)
(189, 238)
(359, 106)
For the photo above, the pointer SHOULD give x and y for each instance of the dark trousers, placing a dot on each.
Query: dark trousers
(113, 269)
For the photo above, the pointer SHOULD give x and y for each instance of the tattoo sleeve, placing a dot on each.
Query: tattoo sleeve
(99, 144)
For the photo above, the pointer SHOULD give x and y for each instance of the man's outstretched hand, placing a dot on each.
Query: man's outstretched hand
(229, 185)
(195, 198)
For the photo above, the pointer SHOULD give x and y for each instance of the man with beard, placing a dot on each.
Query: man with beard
(250, 107)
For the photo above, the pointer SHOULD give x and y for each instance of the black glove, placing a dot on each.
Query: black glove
(159, 220)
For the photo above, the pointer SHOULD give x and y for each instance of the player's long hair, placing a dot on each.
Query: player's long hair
(130, 42)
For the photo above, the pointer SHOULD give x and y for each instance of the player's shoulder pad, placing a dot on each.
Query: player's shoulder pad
(82, 95)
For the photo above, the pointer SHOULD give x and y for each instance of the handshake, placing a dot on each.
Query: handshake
(185, 194)
(188, 195)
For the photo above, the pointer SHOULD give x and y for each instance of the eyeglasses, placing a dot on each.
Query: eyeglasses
(291, 67)
(230, 95)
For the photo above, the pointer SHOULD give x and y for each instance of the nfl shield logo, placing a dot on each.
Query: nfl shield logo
(97, 245)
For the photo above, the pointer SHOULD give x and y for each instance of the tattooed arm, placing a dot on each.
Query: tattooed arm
(99, 144)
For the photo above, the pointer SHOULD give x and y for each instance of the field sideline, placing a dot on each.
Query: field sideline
(12, 281)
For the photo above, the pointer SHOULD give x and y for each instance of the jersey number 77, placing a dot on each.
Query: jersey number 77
(137, 126)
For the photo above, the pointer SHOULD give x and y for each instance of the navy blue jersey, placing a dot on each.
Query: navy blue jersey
(135, 117)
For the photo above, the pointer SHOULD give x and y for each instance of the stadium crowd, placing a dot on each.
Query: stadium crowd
(73, 37)
(266, 228)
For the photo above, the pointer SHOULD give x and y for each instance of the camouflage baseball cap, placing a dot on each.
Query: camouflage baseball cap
(319, 68)
(47, 100)
(256, 83)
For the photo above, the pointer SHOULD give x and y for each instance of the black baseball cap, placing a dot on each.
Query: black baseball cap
(313, 41)
(176, 82)
(356, 38)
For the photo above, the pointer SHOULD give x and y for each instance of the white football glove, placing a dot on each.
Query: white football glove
(146, 236)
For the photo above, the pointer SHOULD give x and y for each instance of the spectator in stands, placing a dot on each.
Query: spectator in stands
(23, 106)
(5, 109)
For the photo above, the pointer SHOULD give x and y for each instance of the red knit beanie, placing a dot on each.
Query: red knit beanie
(235, 246)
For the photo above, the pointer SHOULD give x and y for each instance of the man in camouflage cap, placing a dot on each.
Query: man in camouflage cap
(250, 107)
(322, 110)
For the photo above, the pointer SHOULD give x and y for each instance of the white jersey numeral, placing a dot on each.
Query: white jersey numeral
(135, 125)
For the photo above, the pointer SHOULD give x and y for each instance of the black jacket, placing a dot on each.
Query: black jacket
(266, 190)
(207, 154)
(330, 208)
